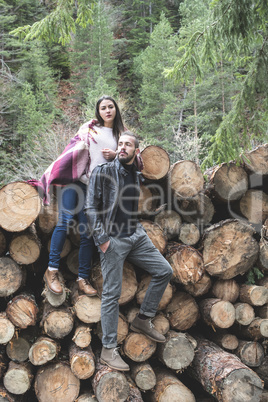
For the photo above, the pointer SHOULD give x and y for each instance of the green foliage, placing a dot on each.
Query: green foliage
(253, 275)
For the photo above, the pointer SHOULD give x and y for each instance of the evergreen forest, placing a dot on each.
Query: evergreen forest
(189, 76)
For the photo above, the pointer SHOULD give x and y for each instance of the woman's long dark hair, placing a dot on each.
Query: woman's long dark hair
(118, 126)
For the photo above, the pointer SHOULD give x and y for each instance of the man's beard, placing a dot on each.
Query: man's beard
(125, 158)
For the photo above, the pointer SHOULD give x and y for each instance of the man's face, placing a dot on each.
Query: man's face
(126, 149)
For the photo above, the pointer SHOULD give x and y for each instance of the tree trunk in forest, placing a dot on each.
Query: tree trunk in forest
(189, 234)
(182, 311)
(55, 382)
(143, 375)
(142, 289)
(226, 289)
(186, 179)
(170, 222)
(22, 310)
(20, 205)
(229, 249)
(7, 329)
(139, 347)
(18, 378)
(178, 350)
(254, 206)
(250, 353)
(223, 375)
(81, 361)
(156, 162)
(217, 313)
(57, 322)
(43, 350)
(244, 313)
(186, 262)
(156, 234)
(11, 276)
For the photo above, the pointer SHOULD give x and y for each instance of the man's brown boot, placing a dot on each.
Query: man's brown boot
(112, 358)
(146, 327)
(52, 280)
(85, 287)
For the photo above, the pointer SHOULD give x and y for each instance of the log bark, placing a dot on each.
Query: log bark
(57, 322)
(189, 234)
(139, 347)
(254, 206)
(20, 205)
(18, 349)
(109, 384)
(25, 247)
(256, 330)
(7, 329)
(228, 182)
(156, 235)
(156, 162)
(244, 313)
(250, 353)
(82, 335)
(256, 160)
(229, 249)
(55, 382)
(263, 256)
(81, 361)
(186, 262)
(11, 276)
(142, 289)
(182, 311)
(186, 179)
(170, 222)
(17, 380)
(43, 350)
(86, 308)
(22, 310)
(199, 288)
(178, 351)
(253, 294)
(223, 375)
(262, 311)
(170, 388)
(134, 394)
(227, 289)
(143, 375)
(217, 313)
(224, 339)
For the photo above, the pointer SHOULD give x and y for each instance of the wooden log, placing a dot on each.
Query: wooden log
(129, 282)
(186, 262)
(3, 243)
(86, 308)
(170, 222)
(22, 310)
(199, 288)
(229, 249)
(254, 206)
(256, 330)
(142, 289)
(17, 380)
(262, 371)
(264, 396)
(143, 375)
(178, 351)
(170, 388)
(256, 160)
(54, 299)
(25, 247)
(48, 216)
(20, 205)
(244, 313)
(253, 294)
(3, 364)
(223, 375)
(5, 396)
(189, 234)
(82, 335)
(182, 311)
(217, 313)
(81, 361)
(146, 204)
(250, 353)
(7, 329)
(86, 397)
(43, 350)
(57, 322)
(17, 349)
(263, 256)
(11, 276)
(109, 384)
(67, 247)
(186, 179)
(156, 234)
(156, 162)
(134, 394)
(138, 347)
(122, 329)
(226, 289)
(228, 182)
(161, 323)
(262, 311)
(55, 382)
(198, 210)
(224, 339)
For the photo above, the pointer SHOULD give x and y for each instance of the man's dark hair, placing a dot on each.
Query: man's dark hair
(118, 126)
(131, 134)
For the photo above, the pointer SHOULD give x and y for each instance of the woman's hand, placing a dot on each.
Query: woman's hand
(108, 154)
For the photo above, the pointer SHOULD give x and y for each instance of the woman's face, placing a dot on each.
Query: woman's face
(107, 111)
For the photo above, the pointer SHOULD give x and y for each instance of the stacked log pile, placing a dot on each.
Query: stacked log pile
(212, 228)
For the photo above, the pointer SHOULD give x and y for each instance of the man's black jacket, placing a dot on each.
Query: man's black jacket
(102, 200)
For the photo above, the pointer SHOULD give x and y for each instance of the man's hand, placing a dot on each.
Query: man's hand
(108, 153)
(104, 246)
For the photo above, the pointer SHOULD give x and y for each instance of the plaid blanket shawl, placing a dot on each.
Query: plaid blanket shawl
(71, 164)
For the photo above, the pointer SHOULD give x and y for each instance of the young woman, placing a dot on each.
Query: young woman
(95, 142)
